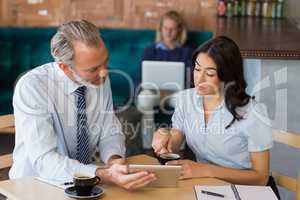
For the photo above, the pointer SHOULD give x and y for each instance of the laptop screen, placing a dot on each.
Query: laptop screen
(163, 75)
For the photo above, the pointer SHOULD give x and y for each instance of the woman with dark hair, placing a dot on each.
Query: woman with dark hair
(226, 129)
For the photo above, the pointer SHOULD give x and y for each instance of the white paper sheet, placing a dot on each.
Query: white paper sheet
(245, 192)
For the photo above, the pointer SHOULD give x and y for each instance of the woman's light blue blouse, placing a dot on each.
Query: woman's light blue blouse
(213, 143)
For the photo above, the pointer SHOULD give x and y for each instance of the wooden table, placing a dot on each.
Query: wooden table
(32, 189)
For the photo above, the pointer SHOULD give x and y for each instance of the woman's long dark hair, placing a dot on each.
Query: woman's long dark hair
(226, 55)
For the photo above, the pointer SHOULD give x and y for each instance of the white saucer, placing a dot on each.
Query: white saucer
(97, 191)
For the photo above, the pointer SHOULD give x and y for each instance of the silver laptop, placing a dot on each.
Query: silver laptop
(163, 75)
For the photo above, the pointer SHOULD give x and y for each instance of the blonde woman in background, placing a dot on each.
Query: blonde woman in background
(171, 36)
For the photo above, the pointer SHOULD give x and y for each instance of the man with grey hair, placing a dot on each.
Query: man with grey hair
(64, 113)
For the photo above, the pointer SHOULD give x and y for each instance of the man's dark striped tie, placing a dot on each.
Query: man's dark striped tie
(83, 153)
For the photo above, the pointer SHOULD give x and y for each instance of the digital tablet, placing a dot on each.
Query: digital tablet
(167, 176)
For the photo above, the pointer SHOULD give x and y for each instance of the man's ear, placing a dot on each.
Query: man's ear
(64, 67)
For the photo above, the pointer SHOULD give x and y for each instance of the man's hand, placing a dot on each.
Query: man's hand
(119, 175)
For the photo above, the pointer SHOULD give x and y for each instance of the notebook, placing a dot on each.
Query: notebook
(235, 192)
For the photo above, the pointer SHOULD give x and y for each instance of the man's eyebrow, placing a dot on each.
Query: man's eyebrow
(105, 61)
(205, 67)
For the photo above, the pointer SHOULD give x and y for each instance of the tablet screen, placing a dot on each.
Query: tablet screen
(167, 175)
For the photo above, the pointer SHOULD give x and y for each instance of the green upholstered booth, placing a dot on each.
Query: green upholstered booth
(22, 49)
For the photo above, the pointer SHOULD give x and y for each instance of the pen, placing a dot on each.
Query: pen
(235, 192)
(212, 193)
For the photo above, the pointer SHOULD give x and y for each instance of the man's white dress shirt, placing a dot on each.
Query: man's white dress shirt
(45, 118)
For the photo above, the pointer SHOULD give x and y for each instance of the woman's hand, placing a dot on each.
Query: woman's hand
(161, 142)
(191, 169)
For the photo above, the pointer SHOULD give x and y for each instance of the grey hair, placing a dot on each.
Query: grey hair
(62, 42)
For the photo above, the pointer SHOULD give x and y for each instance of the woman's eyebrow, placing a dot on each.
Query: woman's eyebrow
(211, 68)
